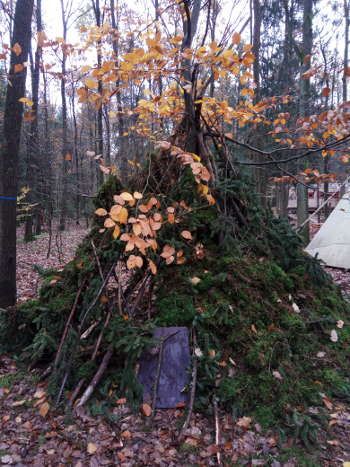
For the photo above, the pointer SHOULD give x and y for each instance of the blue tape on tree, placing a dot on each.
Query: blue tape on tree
(12, 198)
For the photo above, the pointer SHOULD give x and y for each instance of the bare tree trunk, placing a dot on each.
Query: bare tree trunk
(304, 109)
(108, 135)
(33, 144)
(99, 133)
(282, 197)
(260, 173)
(121, 127)
(346, 49)
(304, 103)
(66, 156)
(257, 9)
(76, 157)
(13, 116)
(190, 124)
(48, 171)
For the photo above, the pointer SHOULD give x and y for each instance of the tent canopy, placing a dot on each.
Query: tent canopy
(332, 241)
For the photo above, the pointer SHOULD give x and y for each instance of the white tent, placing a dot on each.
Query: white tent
(332, 241)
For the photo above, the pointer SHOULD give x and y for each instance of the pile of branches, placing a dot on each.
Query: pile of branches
(212, 264)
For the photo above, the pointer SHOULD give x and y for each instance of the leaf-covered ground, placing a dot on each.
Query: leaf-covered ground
(33, 432)
(32, 254)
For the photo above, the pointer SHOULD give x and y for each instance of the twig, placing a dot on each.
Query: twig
(217, 430)
(46, 373)
(62, 387)
(156, 382)
(193, 391)
(99, 339)
(97, 259)
(159, 366)
(98, 375)
(76, 391)
(65, 332)
(103, 285)
(94, 354)
(308, 152)
(140, 293)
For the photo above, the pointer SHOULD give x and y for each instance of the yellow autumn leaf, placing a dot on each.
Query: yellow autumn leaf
(19, 67)
(123, 216)
(167, 251)
(152, 267)
(39, 394)
(143, 208)
(236, 38)
(195, 280)
(44, 409)
(126, 196)
(134, 262)
(114, 212)
(118, 199)
(146, 410)
(133, 163)
(171, 218)
(136, 228)
(109, 223)
(116, 231)
(91, 448)
(91, 83)
(203, 189)
(26, 101)
(186, 234)
(101, 212)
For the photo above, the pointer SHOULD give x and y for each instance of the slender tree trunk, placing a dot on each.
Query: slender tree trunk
(305, 87)
(33, 144)
(99, 133)
(48, 172)
(346, 49)
(13, 116)
(66, 156)
(257, 9)
(76, 156)
(260, 173)
(304, 109)
(108, 135)
(121, 127)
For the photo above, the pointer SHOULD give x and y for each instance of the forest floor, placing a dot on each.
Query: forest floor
(33, 432)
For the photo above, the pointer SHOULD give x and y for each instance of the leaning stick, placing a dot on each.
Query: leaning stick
(105, 324)
(96, 379)
(193, 391)
(217, 430)
(65, 332)
(94, 354)
(103, 285)
(97, 259)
